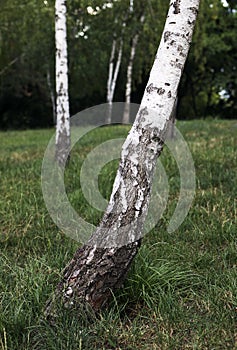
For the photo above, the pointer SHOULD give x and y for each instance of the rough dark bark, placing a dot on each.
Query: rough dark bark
(92, 274)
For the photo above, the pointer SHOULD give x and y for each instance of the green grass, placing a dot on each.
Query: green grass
(181, 292)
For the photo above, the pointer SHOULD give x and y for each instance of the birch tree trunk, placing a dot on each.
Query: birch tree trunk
(129, 74)
(62, 99)
(113, 75)
(101, 265)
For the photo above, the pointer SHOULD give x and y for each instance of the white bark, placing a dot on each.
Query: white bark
(113, 75)
(111, 69)
(116, 70)
(129, 75)
(62, 98)
(123, 220)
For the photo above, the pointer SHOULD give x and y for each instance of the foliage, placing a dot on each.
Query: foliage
(211, 66)
(27, 52)
(27, 57)
(181, 290)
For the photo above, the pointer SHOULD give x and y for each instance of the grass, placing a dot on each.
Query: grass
(181, 292)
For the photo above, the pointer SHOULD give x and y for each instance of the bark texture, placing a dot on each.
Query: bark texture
(101, 270)
(101, 265)
(62, 99)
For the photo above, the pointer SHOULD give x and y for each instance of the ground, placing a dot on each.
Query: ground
(181, 292)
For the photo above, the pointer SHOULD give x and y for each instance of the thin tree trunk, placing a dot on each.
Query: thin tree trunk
(62, 99)
(129, 75)
(109, 81)
(9, 65)
(52, 97)
(113, 75)
(114, 70)
(101, 265)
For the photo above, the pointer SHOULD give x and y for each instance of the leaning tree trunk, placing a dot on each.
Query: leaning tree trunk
(101, 265)
(62, 100)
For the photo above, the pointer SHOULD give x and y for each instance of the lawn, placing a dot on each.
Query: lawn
(181, 292)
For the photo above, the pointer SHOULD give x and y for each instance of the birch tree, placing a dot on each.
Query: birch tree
(62, 98)
(128, 89)
(114, 66)
(100, 266)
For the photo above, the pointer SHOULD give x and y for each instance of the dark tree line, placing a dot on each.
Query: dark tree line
(27, 50)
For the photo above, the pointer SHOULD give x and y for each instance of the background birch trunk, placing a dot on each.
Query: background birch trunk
(113, 75)
(129, 75)
(62, 100)
(101, 265)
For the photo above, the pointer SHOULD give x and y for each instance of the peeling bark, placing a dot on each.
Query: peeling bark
(62, 100)
(101, 265)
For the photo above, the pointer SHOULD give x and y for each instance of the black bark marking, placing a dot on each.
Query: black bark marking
(151, 88)
(160, 91)
(167, 84)
(176, 5)
(169, 94)
(176, 64)
(194, 10)
(142, 114)
(156, 138)
(166, 35)
(172, 23)
(180, 50)
(191, 23)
